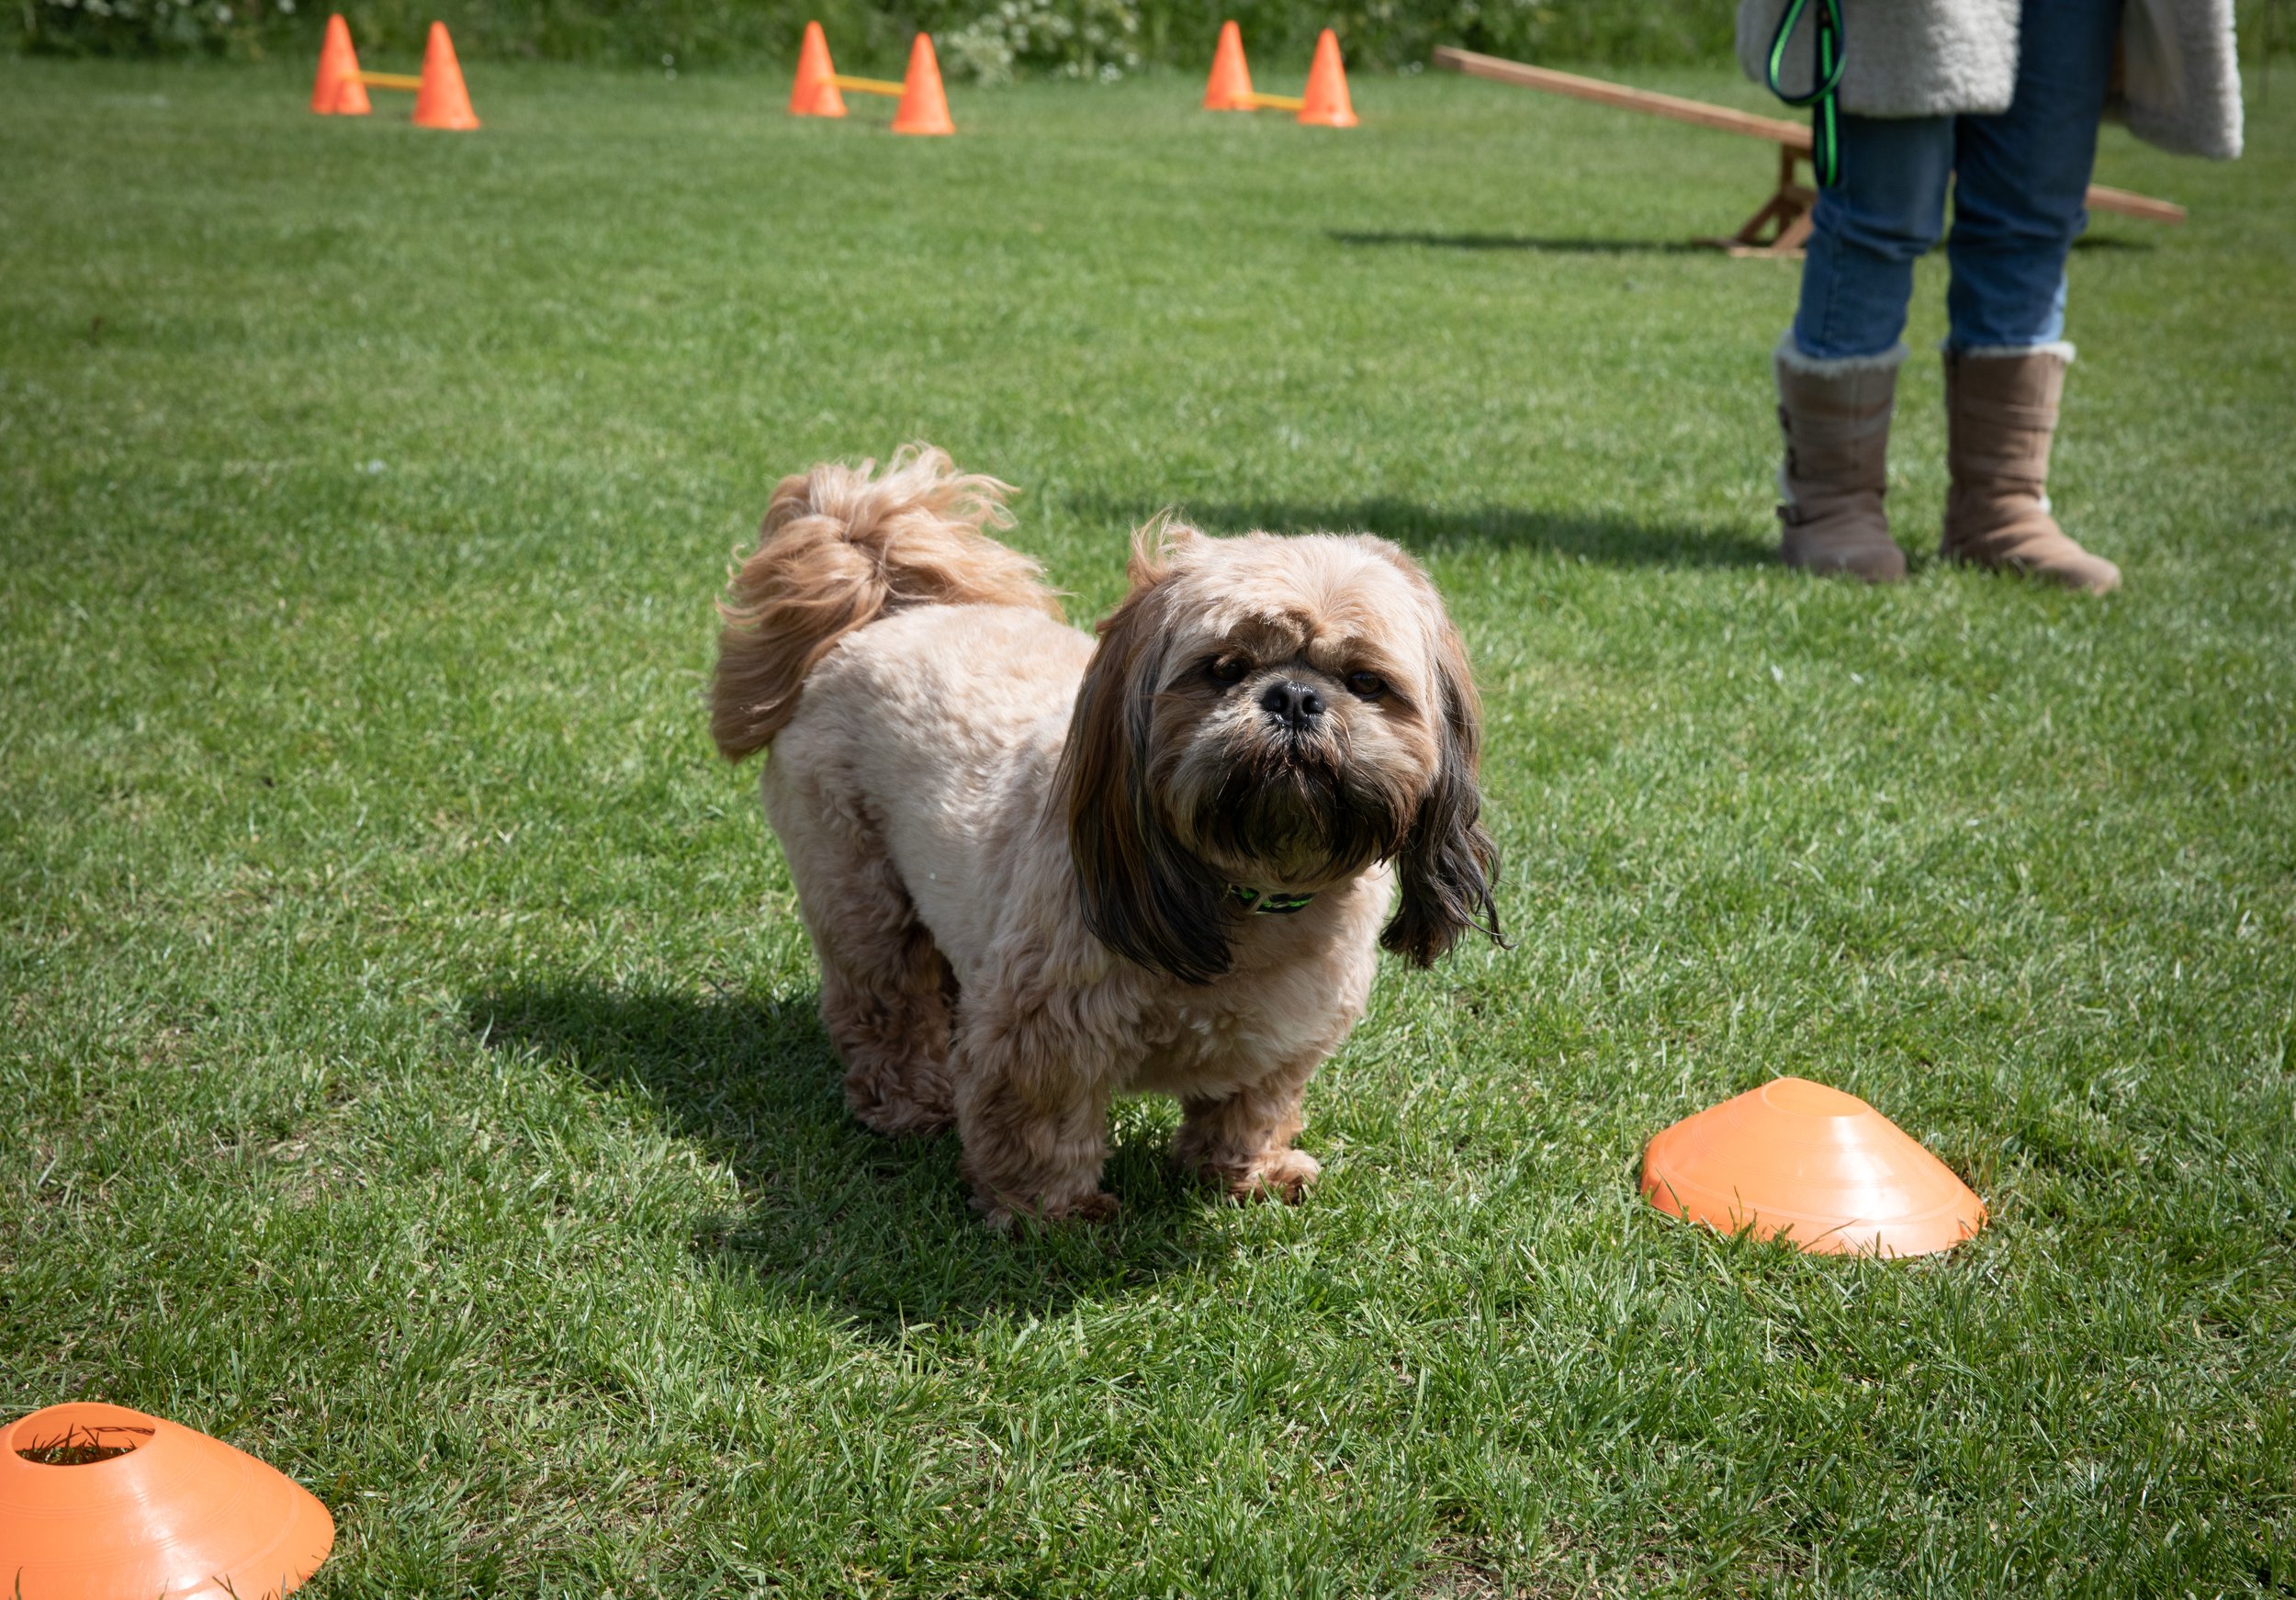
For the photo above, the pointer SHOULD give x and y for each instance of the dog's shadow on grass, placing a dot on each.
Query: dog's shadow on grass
(879, 1229)
(1427, 530)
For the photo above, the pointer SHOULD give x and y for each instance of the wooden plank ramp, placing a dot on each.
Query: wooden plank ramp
(1782, 224)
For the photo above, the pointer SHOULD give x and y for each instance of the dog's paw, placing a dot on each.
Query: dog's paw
(998, 1212)
(1286, 1174)
(905, 1121)
(899, 1116)
(1096, 1207)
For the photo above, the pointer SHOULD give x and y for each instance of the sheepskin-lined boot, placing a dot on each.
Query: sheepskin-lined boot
(1835, 415)
(2000, 411)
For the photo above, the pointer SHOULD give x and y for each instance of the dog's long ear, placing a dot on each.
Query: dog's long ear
(1145, 896)
(1448, 867)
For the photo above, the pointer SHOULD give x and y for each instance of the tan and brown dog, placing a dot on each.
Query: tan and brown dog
(1040, 873)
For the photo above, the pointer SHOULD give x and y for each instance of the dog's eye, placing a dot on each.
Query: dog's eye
(1228, 670)
(1369, 685)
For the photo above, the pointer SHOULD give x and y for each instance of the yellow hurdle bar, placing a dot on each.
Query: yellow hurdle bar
(868, 86)
(389, 80)
(1276, 103)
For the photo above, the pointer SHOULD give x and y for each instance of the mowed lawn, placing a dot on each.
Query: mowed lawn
(410, 1073)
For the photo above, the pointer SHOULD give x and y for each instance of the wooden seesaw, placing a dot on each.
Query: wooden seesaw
(1780, 227)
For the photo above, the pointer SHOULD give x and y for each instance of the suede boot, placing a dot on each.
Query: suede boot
(1835, 416)
(2000, 411)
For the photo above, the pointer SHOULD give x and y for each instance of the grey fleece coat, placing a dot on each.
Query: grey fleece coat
(2178, 88)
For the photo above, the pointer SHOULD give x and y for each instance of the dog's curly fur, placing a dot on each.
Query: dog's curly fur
(1014, 849)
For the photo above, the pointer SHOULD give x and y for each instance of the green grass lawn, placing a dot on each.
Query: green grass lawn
(410, 1072)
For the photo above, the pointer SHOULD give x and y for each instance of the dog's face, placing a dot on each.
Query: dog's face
(1296, 712)
(1277, 712)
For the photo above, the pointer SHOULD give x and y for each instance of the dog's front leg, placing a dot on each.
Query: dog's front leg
(1033, 1086)
(1243, 1142)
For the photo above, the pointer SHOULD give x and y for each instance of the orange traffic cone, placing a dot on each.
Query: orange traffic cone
(337, 92)
(1231, 85)
(1327, 104)
(924, 108)
(816, 92)
(441, 101)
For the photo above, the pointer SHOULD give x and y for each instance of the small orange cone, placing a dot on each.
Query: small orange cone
(98, 1501)
(337, 91)
(924, 108)
(1821, 1166)
(814, 94)
(441, 101)
(1231, 85)
(1327, 103)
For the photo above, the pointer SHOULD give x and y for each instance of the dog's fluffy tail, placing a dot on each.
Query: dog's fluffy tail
(839, 549)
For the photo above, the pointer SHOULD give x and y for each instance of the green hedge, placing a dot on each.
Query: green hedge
(980, 38)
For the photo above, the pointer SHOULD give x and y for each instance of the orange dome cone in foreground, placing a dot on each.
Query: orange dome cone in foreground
(441, 101)
(1230, 88)
(1821, 1166)
(178, 1515)
(1327, 104)
(814, 94)
(924, 108)
(337, 92)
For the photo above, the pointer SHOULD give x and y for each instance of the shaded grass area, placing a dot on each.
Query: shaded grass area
(412, 1074)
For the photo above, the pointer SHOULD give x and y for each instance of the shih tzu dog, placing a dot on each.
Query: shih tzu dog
(1040, 871)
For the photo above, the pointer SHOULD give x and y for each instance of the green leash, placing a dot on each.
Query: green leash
(1824, 147)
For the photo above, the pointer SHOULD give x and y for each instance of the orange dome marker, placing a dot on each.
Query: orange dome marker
(441, 101)
(816, 94)
(1230, 88)
(337, 91)
(924, 108)
(1821, 1166)
(1327, 103)
(98, 1502)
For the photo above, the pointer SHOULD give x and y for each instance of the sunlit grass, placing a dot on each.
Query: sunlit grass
(411, 1071)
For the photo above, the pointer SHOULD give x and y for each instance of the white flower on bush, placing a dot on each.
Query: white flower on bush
(1074, 38)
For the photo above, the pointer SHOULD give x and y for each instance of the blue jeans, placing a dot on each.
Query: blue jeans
(2020, 180)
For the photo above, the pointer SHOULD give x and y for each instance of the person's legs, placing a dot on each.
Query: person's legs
(1868, 231)
(1836, 367)
(2021, 182)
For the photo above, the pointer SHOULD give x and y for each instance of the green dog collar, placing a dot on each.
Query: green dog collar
(1261, 903)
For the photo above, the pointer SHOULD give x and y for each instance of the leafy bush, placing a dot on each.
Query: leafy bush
(630, 32)
(986, 39)
(1080, 39)
(1388, 34)
(147, 27)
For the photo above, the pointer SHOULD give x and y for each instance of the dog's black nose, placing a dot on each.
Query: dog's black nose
(1294, 704)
